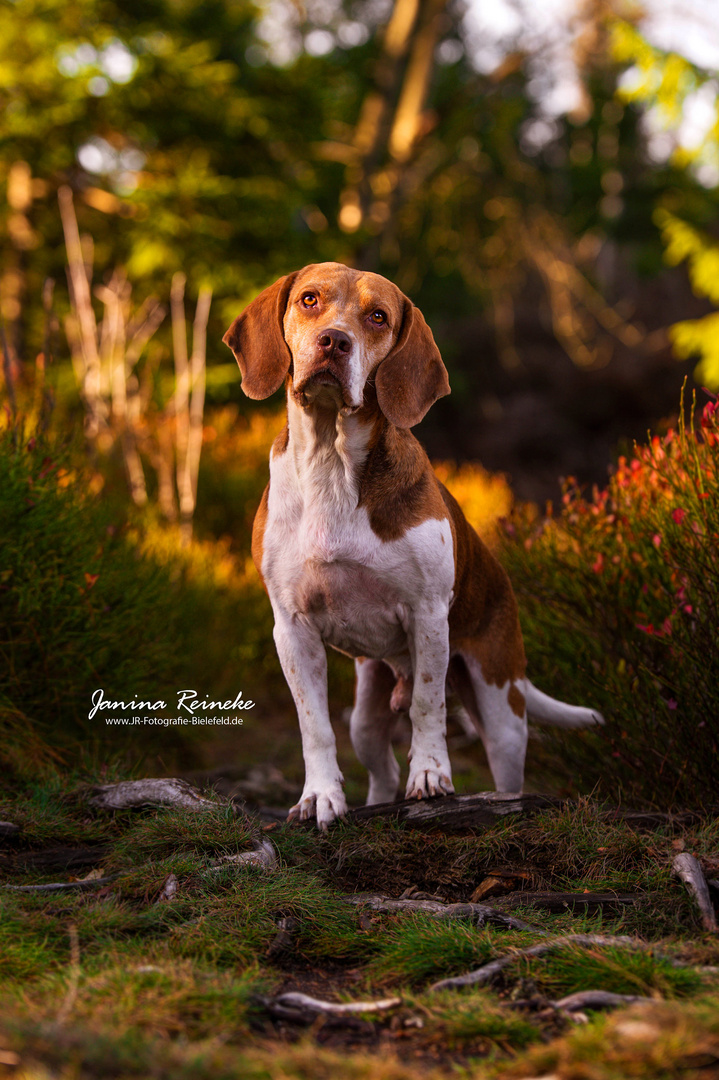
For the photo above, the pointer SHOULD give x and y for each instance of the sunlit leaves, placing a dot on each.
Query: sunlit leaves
(695, 337)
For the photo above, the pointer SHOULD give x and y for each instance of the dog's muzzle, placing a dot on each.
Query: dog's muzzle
(327, 376)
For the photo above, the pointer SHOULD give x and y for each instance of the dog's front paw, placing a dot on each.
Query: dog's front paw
(425, 782)
(324, 805)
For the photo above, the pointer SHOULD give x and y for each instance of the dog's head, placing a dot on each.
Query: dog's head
(333, 329)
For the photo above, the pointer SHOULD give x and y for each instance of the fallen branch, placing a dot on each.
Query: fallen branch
(303, 1009)
(686, 867)
(479, 913)
(131, 794)
(487, 972)
(599, 999)
(48, 860)
(559, 903)
(457, 811)
(63, 886)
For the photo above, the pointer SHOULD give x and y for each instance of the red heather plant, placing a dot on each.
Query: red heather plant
(620, 602)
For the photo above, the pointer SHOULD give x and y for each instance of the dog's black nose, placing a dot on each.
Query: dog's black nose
(333, 342)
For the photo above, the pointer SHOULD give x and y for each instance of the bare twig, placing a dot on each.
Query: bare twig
(63, 886)
(480, 913)
(686, 867)
(294, 1000)
(129, 794)
(182, 381)
(189, 397)
(487, 972)
(599, 999)
(197, 372)
(86, 336)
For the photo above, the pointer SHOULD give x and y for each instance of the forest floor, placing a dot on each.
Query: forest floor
(167, 959)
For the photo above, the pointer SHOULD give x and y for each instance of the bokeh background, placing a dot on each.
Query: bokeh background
(541, 179)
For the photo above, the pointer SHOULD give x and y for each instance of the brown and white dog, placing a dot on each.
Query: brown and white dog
(359, 545)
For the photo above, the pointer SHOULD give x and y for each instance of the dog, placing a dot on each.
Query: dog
(359, 546)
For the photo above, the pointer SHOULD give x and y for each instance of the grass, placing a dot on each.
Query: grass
(172, 988)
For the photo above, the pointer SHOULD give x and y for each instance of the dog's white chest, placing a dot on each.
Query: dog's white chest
(326, 566)
(335, 575)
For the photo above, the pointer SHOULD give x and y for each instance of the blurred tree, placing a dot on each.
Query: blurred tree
(184, 153)
(670, 86)
(192, 142)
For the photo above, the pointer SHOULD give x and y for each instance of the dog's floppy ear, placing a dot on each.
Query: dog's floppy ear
(257, 340)
(412, 376)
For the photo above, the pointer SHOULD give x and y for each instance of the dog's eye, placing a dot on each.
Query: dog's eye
(378, 317)
(309, 299)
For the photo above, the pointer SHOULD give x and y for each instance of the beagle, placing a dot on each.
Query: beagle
(360, 547)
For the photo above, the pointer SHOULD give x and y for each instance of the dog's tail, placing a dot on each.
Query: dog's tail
(543, 709)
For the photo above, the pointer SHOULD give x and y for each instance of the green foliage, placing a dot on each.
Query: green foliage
(695, 337)
(619, 606)
(664, 83)
(199, 155)
(80, 609)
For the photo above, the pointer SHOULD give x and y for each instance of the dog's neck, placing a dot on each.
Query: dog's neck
(329, 449)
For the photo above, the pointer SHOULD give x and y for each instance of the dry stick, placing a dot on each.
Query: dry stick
(141, 330)
(294, 1000)
(84, 315)
(686, 867)
(128, 794)
(71, 995)
(197, 407)
(481, 912)
(63, 886)
(488, 971)
(182, 383)
(113, 341)
(599, 999)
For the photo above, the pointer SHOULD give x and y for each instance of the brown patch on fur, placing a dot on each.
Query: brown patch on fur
(398, 487)
(515, 697)
(412, 377)
(281, 441)
(484, 618)
(258, 532)
(257, 341)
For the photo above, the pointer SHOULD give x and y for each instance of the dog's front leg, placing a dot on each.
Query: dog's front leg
(430, 772)
(304, 663)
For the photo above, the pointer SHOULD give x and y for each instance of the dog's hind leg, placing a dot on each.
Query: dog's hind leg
(500, 714)
(371, 726)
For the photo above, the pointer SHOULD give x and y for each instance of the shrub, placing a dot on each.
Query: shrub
(79, 608)
(620, 604)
